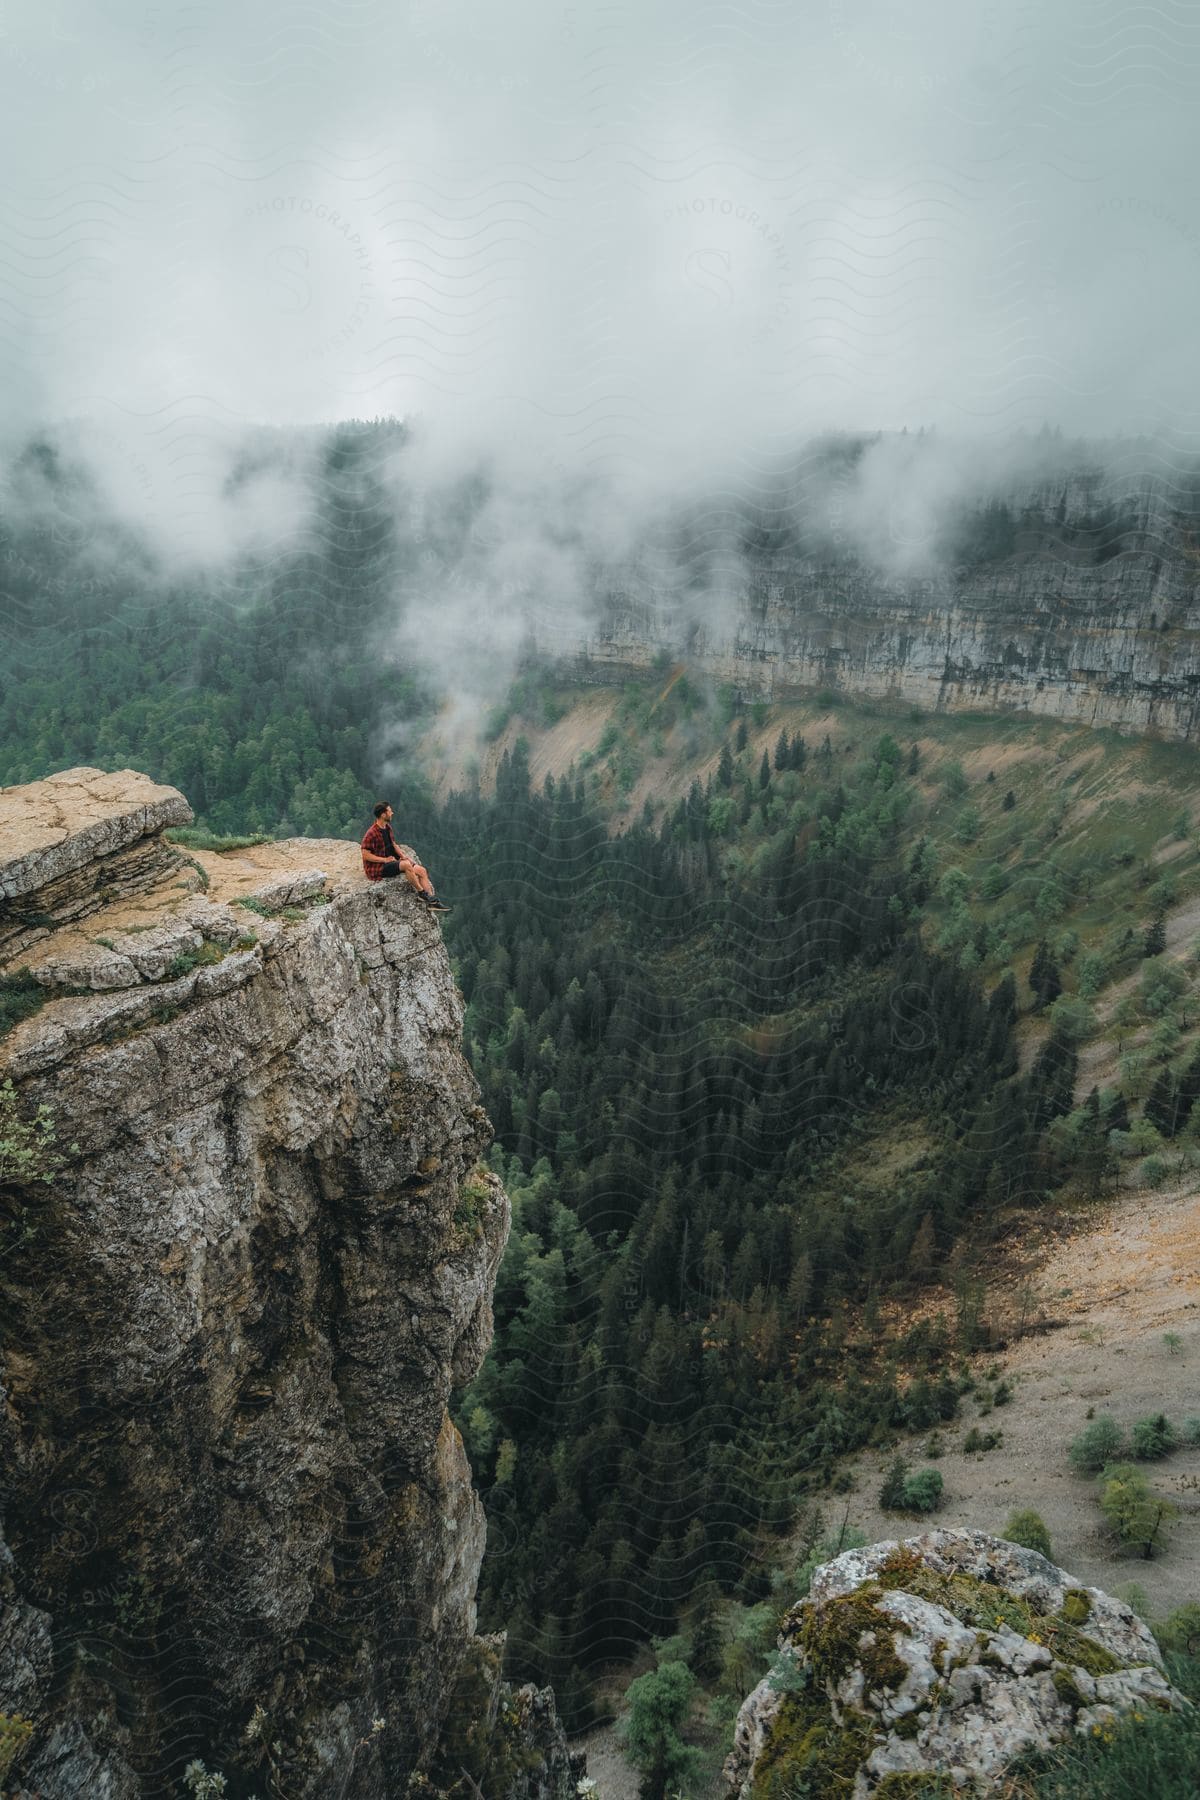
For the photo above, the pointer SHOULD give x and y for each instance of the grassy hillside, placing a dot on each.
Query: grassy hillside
(1027, 830)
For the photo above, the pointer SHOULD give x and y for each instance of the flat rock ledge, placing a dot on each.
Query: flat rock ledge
(951, 1653)
(77, 840)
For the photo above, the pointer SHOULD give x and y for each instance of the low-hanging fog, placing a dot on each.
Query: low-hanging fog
(625, 268)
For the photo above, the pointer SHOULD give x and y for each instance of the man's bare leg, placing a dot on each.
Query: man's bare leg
(416, 876)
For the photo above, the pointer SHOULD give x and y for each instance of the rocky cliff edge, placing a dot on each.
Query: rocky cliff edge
(237, 1524)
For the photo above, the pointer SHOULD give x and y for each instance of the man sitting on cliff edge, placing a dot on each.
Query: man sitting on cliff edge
(383, 859)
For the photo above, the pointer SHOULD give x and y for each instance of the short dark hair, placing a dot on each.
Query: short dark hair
(382, 808)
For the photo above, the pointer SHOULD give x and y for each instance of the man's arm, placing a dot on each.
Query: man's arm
(370, 856)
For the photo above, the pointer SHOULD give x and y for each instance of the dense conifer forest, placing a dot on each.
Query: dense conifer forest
(675, 1062)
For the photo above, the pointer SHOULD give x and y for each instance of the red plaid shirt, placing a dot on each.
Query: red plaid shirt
(376, 841)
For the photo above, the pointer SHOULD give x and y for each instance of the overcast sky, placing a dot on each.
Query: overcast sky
(635, 233)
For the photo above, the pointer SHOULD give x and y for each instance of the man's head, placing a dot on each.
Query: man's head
(383, 812)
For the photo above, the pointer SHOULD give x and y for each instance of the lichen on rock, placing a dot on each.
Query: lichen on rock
(951, 1654)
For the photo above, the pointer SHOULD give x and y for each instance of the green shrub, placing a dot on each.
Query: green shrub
(977, 1441)
(1155, 1754)
(1096, 1445)
(1028, 1528)
(15, 1733)
(194, 837)
(1136, 1516)
(27, 1146)
(187, 960)
(657, 1707)
(20, 997)
(1180, 1630)
(923, 1491)
(1191, 1431)
(1153, 1437)
(202, 1783)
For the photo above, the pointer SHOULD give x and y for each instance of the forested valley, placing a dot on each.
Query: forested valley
(688, 1316)
(700, 1026)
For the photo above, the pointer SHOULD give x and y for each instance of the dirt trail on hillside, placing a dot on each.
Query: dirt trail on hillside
(1110, 1288)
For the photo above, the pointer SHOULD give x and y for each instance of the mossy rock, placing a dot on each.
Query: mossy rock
(860, 1656)
(984, 1605)
(900, 1785)
(853, 1630)
(809, 1755)
(1067, 1689)
(1077, 1606)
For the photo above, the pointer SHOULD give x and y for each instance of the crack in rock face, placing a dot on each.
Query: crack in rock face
(952, 1653)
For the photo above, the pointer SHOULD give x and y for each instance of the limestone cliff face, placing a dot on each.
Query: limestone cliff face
(1092, 615)
(232, 1321)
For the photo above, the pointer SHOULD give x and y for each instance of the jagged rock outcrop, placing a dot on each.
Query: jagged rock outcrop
(951, 1652)
(509, 1737)
(236, 1522)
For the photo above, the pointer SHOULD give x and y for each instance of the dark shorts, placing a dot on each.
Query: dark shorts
(389, 871)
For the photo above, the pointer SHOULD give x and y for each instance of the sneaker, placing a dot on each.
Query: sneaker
(434, 904)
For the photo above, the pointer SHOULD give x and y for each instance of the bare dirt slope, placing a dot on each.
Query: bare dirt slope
(1111, 1289)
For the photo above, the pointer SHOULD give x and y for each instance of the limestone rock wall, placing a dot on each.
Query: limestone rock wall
(236, 1522)
(1086, 624)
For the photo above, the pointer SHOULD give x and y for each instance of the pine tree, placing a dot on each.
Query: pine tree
(891, 1494)
(920, 1257)
(1044, 978)
(1051, 1081)
(1162, 1103)
(1002, 1002)
(658, 1705)
(743, 736)
(1189, 1088)
(707, 1636)
(1117, 1116)
(781, 752)
(764, 771)
(1155, 940)
(725, 768)
(799, 1289)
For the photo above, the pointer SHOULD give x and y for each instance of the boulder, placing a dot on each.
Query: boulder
(71, 844)
(951, 1653)
(55, 827)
